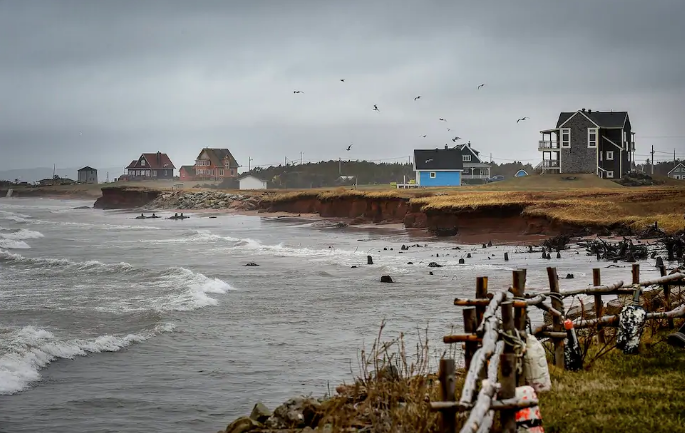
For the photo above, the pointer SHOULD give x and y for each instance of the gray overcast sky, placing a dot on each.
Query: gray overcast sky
(98, 82)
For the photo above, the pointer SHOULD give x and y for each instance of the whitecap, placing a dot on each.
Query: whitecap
(29, 349)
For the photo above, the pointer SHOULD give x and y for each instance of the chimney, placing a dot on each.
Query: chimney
(583, 110)
(469, 143)
(589, 111)
(445, 147)
(159, 157)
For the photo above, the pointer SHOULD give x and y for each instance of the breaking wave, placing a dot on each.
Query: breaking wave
(29, 349)
(11, 244)
(169, 289)
(20, 234)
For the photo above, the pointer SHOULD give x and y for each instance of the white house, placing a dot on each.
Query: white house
(251, 182)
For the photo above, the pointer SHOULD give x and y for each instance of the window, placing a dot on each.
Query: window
(565, 137)
(221, 172)
(592, 137)
(610, 174)
(466, 158)
(142, 163)
(610, 155)
(432, 175)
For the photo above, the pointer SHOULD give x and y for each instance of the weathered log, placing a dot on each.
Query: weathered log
(661, 280)
(509, 403)
(488, 329)
(469, 327)
(484, 302)
(508, 368)
(588, 290)
(481, 408)
(461, 338)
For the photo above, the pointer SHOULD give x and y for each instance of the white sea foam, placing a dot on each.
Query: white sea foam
(20, 234)
(196, 287)
(170, 289)
(11, 244)
(27, 350)
(195, 236)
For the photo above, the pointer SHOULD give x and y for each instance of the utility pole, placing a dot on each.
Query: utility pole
(301, 153)
(490, 157)
(285, 164)
(652, 160)
(249, 160)
(339, 166)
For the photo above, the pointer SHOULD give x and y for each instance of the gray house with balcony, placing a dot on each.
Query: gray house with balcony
(475, 170)
(587, 141)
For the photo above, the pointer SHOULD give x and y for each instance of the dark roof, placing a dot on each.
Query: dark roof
(190, 169)
(605, 119)
(438, 159)
(216, 156)
(87, 168)
(155, 161)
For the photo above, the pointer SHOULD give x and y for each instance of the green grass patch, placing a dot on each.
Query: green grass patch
(620, 393)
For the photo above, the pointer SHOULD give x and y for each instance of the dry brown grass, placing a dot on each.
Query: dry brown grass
(392, 390)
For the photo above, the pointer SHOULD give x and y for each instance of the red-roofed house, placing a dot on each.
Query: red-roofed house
(151, 166)
(215, 164)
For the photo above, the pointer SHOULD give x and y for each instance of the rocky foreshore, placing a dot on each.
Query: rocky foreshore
(204, 200)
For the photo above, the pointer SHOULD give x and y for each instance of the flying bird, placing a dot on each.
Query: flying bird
(349, 147)
(429, 160)
(444, 120)
(523, 118)
(423, 136)
(342, 79)
(375, 108)
(418, 97)
(481, 86)
(448, 129)
(455, 139)
(298, 91)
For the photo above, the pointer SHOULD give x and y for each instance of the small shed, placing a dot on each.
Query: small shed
(251, 182)
(521, 173)
(87, 175)
(678, 172)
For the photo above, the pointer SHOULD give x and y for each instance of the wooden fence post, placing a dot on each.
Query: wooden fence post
(447, 377)
(557, 325)
(481, 293)
(636, 273)
(599, 307)
(667, 296)
(470, 326)
(519, 288)
(508, 369)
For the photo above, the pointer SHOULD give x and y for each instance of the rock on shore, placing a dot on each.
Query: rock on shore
(204, 200)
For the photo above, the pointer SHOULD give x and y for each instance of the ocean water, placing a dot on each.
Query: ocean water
(112, 324)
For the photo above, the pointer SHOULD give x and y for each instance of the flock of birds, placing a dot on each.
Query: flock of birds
(454, 140)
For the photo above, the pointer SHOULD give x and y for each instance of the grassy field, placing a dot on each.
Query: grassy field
(620, 393)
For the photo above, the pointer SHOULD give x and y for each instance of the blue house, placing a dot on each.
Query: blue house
(439, 167)
(521, 173)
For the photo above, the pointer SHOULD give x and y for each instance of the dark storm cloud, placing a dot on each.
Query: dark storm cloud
(85, 82)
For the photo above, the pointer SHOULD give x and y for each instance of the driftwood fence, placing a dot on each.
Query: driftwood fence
(492, 344)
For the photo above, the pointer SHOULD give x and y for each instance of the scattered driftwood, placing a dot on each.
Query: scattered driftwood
(557, 243)
(675, 246)
(624, 250)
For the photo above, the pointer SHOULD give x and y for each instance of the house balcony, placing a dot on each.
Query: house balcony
(474, 176)
(544, 145)
(550, 164)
